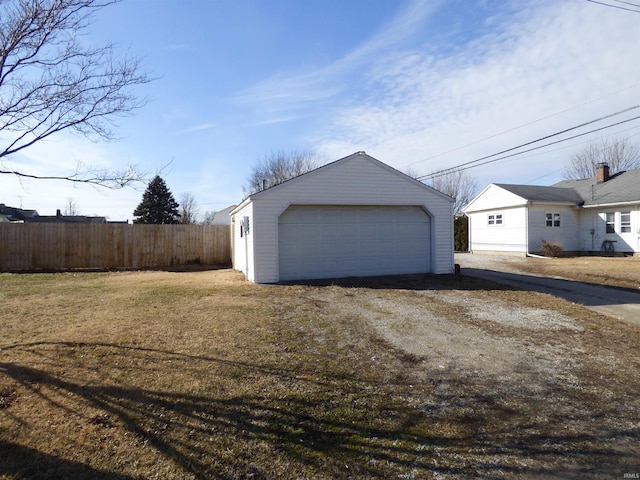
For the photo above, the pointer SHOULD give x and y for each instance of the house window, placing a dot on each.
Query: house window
(552, 220)
(625, 222)
(610, 221)
(494, 219)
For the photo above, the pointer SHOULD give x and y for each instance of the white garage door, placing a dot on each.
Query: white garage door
(345, 241)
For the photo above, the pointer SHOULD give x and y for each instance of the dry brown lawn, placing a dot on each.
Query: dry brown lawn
(176, 375)
(614, 271)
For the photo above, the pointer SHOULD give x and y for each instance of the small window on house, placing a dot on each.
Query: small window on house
(625, 222)
(494, 219)
(610, 220)
(552, 219)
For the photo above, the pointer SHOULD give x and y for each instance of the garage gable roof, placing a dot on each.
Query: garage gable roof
(338, 163)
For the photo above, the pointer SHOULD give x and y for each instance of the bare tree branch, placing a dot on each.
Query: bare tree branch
(277, 168)
(113, 179)
(618, 153)
(458, 185)
(188, 209)
(51, 83)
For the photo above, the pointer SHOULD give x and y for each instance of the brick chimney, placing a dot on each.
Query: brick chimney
(602, 172)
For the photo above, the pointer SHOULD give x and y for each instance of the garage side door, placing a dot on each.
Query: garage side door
(345, 241)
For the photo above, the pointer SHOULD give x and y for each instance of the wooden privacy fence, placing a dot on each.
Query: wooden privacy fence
(65, 246)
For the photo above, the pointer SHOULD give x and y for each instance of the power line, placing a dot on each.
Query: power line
(615, 6)
(635, 85)
(628, 3)
(471, 163)
(454, 169)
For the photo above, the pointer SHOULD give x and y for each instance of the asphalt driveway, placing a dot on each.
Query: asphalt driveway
(616, 302)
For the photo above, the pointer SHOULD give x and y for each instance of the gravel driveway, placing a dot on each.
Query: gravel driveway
(535, 384)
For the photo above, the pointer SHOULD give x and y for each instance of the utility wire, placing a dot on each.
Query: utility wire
(628, 3)
(466, 166)
(457, 167)
(614, 6)
(629, 87)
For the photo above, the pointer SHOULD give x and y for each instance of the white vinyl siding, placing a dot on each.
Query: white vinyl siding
(557, 224)
(242, 245)
(510, 237)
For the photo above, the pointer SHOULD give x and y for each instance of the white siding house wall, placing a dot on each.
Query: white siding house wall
(509, 236)
(594, 220)
(361, 180)
(242, 242)
(565, 234)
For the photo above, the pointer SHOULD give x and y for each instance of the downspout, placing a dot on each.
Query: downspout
(469, 249)
(527, 253)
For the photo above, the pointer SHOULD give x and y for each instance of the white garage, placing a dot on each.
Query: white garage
(353, 217)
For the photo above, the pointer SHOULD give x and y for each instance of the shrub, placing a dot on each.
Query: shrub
(550, 249)
(461, 233)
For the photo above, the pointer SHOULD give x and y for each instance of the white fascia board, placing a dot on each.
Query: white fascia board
(612, 205)
(240, 206)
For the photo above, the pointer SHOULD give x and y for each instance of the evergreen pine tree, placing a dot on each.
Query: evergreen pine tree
(158, 205)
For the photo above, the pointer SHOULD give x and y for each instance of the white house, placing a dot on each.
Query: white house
(600, 213)
(353, 217)
(222, 217)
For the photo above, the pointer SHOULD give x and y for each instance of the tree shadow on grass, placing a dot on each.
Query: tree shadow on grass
(18, 461)
(314, 427)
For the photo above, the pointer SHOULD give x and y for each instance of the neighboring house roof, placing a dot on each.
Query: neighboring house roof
(536, 193)
(222, 217)
(622, 187)
(66, 219)
(13, 214)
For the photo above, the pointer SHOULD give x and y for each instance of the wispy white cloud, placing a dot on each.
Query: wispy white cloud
(543, 59)
(294, 94)
(200, 127)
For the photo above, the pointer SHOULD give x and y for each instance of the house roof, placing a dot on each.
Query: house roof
(622, 187)
(537, 193)
(66, 219)
(17, 214)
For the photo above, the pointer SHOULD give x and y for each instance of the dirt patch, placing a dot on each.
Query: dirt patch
(421, 324)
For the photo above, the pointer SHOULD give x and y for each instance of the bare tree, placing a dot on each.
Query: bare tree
(188, 209)
(51, 83)
(456, 184)
(207, 218)
(618, 153)
(71, 208)
(278, 167)
(412, 172)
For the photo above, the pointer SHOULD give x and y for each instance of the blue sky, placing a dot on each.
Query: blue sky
(417, 84)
